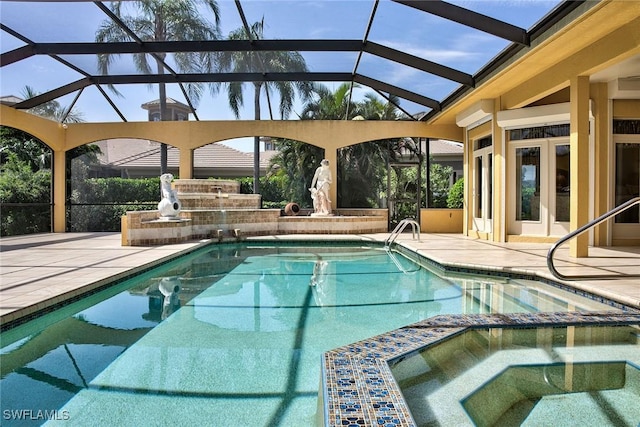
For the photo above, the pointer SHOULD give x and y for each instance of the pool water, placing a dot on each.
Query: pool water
(231, 335)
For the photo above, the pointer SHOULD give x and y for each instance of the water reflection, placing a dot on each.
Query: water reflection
(164, 298)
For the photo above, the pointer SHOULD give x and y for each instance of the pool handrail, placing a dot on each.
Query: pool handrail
(400, 228)
(618, 209)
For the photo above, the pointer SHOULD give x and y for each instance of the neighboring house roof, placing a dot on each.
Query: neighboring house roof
(443, 147)
(216, 159)
(10, 100)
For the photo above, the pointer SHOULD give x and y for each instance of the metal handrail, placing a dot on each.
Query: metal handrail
(400, 228)
(623, 207)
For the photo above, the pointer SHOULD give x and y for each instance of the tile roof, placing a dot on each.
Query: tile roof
(128, 153)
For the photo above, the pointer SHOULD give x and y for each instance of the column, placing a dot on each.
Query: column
(186, 163)
(600, 96)
(499, 185)
(579, 141)
(59, 191)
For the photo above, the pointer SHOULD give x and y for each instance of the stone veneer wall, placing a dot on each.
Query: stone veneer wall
(205, 223)
(225, 201)
(144, 228)
(206, 186)
(202, 194)
(213, 208)
(357, 222)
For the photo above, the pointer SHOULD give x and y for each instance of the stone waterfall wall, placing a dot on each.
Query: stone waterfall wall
(214, 209)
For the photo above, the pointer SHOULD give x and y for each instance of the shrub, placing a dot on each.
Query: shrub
(455, 198)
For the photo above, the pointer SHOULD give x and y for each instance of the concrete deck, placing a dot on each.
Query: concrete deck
(37, 271)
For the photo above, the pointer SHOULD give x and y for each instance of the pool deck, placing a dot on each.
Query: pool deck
(41, 270)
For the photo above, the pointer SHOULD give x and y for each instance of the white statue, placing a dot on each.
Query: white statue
(320, 189)
(169, 206)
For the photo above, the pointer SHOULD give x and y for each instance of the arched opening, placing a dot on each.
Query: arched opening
(401, 174)
(107, 178)
(25, 183)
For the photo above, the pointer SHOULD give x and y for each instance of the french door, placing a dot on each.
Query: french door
(482, 189)
(539, 187)
(626, 225)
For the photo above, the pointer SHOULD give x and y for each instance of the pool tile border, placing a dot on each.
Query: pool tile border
(358, 388)
(489, 271)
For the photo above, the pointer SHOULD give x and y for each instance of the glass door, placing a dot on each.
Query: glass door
(559, 202)
(539, 198)
(627, 186)
(482, 186)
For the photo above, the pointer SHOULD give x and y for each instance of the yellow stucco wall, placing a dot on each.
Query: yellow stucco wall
(441, 220)
(327, 134)
(189, 135)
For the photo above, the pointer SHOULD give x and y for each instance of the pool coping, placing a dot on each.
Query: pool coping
(23, 315)
(359, 389)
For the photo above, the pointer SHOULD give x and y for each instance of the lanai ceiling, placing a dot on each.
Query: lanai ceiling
(425, 53)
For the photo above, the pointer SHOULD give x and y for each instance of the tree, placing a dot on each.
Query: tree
(439, 177)
(157, 21)
(52, 110)
(26, 195)
(25, 183)
(455, 198)
(252, 62)
(327, 105)
(362, 167)
(294, 166)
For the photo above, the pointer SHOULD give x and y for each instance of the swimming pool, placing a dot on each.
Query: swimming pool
(240, 342)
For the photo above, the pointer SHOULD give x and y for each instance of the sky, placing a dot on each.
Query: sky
(395, 25)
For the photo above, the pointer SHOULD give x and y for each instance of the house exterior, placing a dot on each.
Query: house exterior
(552, 139)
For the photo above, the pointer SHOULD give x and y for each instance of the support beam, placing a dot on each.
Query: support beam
(186, 163)
(579, 143)
(59, 191)
(470, 19)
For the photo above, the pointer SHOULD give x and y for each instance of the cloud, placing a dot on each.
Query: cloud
(432, 54)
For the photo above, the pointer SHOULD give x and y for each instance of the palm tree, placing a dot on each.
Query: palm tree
(328, 105)
(53, 109)
(163, 20)
(361, 167)
(251, 62)
(296, 162)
